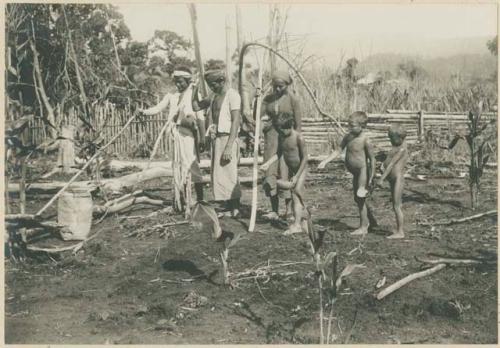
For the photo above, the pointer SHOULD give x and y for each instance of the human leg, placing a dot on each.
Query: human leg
(359, 180)
(397, 193)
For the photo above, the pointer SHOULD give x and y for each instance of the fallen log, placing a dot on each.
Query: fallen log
(400, 283)
(124, 204)
(204, 163)
(457, 221)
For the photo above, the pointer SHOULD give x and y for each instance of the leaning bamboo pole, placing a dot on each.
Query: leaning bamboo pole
(197, 52)
(339, 128)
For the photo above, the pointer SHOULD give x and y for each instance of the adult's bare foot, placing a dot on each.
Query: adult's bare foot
(360, 231)
(396, 235)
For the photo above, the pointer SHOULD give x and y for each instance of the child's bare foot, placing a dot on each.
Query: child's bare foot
(396, 235)
(272, 216)
(293, 230)
(360, 231)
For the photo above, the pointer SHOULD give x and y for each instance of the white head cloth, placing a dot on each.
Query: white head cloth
(180, 73)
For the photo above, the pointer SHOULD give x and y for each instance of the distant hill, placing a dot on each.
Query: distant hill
(469, 66)
(334, 49)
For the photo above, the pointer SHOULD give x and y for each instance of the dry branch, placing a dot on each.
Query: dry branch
(400, 283)
(452, 261)
(457, 221)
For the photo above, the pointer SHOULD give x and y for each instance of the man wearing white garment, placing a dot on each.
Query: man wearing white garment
(187, 130)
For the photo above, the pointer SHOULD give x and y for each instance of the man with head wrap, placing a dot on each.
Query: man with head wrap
(186, 129)
(224, 110)
(281, 100)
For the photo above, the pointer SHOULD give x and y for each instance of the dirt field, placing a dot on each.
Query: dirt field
(165, 287)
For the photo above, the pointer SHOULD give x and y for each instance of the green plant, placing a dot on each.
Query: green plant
(480, 139)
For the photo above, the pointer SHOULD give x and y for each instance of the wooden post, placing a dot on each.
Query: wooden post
(228, 53)
(239, 30)
(420, 129)
(197, 52)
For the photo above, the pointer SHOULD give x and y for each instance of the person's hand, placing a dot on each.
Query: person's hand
(226, 155)
(294, 181)
(264, 166)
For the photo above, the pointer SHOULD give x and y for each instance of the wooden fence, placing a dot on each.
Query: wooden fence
(318, 132)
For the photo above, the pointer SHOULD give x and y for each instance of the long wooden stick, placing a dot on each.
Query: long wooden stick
(400, 283)
(453, 261)
(258, 98)
(98, 152)
(457, 221)
(157, 142)
(197, 52)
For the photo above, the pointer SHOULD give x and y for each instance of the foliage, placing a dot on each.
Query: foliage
(481, 141)
(493, 46)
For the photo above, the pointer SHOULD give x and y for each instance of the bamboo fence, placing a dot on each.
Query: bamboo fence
(318, 132)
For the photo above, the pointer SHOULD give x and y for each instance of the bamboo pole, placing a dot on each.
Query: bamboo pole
(197, 52)
(98, 152)
(255, 173)
(229, 78)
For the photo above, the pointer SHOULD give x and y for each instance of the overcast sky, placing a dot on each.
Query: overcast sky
(351, 27)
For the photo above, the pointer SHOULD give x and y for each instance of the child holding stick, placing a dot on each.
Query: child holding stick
(360, 162)
(393, 169)
(291, 146)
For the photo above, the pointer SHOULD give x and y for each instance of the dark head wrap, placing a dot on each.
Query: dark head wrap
(282, 75)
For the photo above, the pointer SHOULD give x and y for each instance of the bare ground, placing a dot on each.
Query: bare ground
(165, 287)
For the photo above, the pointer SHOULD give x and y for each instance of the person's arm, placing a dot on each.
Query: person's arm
(267, 164)
(395, 159)
(198, 104)
(162, 105)
(330, 158)
(234, 106)
(371, 156)
(301, 144)
(297, 112)
(345, 140)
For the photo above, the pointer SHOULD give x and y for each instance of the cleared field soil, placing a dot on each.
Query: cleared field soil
(165, 287)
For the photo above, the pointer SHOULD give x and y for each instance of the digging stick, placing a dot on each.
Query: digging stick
(98, 152)
(400, 283)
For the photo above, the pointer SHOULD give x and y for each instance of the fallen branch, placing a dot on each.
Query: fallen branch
(451, 261)
(400, 283)
(457, 221)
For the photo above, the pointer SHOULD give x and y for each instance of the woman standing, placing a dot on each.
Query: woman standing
(280, 100)
(187, 130)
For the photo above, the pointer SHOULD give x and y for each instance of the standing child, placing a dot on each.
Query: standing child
(291, 146)
(360, 161)
(393, 170)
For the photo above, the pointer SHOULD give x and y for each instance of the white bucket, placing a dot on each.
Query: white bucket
(74, 210)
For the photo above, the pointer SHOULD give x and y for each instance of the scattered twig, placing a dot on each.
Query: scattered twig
(400, 283)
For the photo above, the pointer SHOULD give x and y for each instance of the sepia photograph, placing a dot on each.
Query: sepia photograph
(250, 173)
